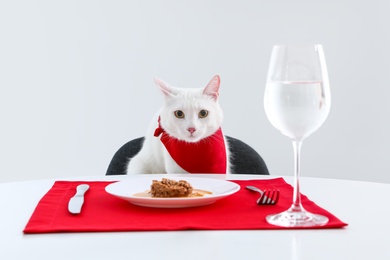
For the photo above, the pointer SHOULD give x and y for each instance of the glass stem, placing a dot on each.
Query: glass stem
(297, 206)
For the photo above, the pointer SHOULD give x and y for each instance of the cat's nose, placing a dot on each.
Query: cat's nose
(191, 130)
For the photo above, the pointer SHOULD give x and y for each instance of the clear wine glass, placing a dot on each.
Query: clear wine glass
(297, 102)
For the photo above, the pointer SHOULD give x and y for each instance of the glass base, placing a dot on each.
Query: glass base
(292, 218)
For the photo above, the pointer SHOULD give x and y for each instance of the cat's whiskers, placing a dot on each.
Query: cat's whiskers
(217, 140)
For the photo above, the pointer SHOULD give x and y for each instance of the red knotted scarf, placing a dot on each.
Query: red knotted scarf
(206, 156)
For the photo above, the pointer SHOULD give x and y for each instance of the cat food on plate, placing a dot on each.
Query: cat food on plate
(167, 188)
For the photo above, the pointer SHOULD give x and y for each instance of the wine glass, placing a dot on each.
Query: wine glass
(297, 103)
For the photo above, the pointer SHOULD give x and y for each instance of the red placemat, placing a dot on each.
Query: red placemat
(103, 212)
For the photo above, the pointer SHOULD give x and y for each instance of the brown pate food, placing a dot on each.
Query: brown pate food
(167, 188)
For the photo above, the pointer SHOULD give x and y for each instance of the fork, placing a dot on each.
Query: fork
(267, 197)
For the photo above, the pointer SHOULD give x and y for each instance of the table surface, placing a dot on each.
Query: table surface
(363, 205)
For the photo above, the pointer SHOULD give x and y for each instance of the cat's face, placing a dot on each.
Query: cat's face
(191, 114)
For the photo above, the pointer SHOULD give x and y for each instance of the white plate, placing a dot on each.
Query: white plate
(126, 190)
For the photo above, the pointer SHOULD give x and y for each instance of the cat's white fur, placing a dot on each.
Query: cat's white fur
(153, 157)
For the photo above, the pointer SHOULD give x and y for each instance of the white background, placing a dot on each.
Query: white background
(76, 79)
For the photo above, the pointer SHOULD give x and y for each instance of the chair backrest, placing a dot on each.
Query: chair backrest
(245, 159)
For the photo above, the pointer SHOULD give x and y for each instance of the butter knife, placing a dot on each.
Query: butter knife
(76, 202)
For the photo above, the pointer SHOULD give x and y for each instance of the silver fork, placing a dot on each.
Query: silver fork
(267, 197)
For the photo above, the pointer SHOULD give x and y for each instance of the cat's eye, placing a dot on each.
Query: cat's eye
(203, 113)
(179, 114)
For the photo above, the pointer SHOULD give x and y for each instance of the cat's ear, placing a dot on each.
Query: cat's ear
(168, 90)
(212, 88)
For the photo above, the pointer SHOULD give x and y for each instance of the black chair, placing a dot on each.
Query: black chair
(245, 159)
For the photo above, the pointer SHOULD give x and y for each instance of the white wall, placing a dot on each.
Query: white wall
(76, 79)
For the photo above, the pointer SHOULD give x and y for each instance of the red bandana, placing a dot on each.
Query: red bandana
(206, 156)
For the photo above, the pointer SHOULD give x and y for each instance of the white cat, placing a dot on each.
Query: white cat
(186, 135)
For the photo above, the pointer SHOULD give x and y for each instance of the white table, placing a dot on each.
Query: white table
(352, 201)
